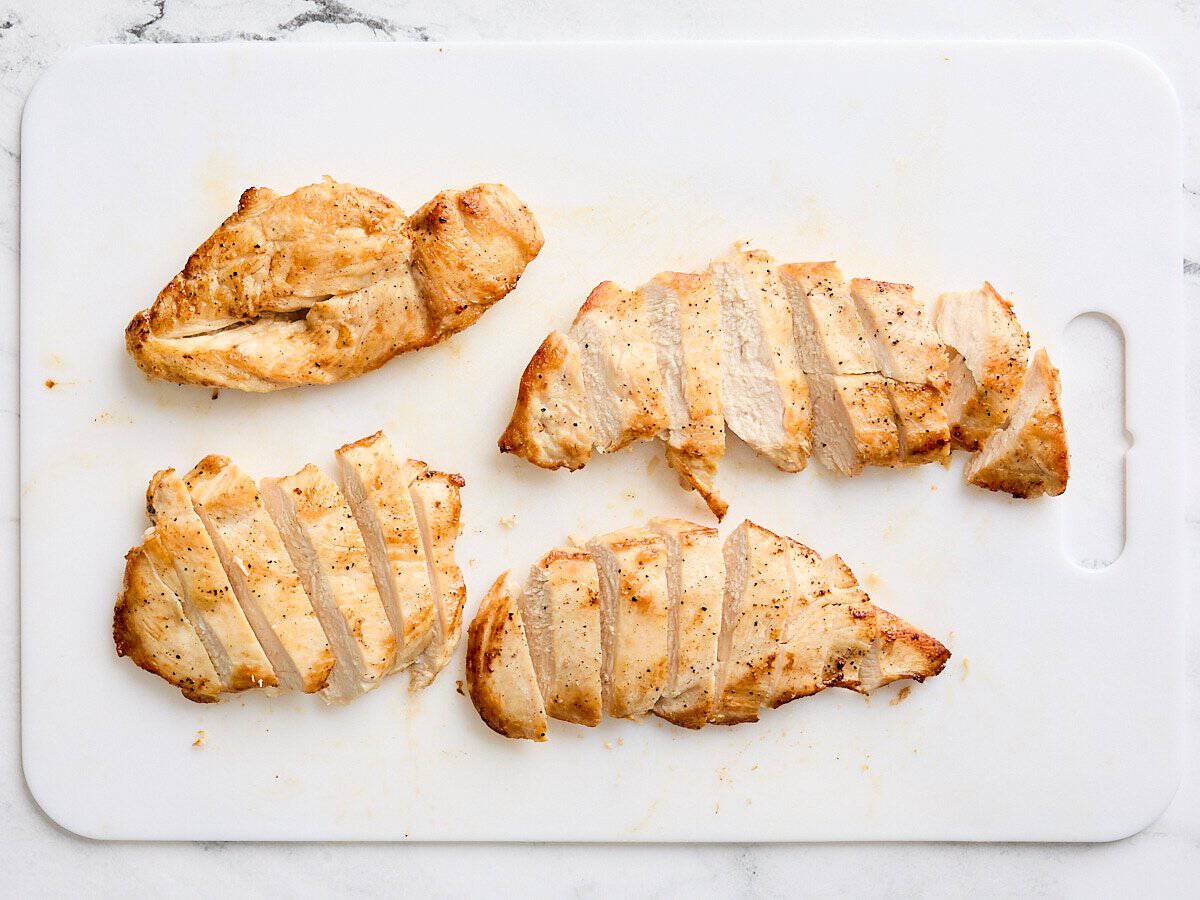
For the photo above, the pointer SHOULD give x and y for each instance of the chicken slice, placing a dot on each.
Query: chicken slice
(376, 485)
(634, 619)
(914, 363)
(695, 585)
(805, 646)
(854, 426)
(321, 537)
(550, 425)
(263, 578)
(329, 282)
(987, 365)
(754, 617)
(500, 677)
(868, 647)
(436, 499)
(763, 390)
(204, 589)
(623, 387)
(150, 627)
(1028, 457)
(561, 610)
(685, 319)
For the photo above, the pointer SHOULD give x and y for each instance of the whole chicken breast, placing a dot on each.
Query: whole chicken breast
(329, 282)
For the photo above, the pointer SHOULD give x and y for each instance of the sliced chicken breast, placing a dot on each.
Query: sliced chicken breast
(914, 363)
(500, 677)
(805, 646)
(560, 606)
(325, 545)
(623, 386)
(1028, 457)
(763, 390)
(854, 425)
(376, 485)
(438, 505)
(868, 647)
(150, 627)
(261, 573)
(685, 319)
(635, 619)
(758, 593)
(988, 363)
(695, 585)
(550, 425)
(204, 590)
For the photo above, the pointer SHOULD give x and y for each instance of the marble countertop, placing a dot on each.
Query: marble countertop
(40, 859)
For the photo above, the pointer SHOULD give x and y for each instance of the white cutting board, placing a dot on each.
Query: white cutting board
(1051, 169)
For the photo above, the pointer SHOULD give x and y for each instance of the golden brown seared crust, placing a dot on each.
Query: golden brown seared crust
(207, 596)
(149, 626)
(469, 249)
(790, 624)
(572, 593)
(550, 425)
(914, 364)
(325, 283)
(1029, 457)
(755, 614)
(262, 576)
(988, 351)
(500, 677)
(614, 333)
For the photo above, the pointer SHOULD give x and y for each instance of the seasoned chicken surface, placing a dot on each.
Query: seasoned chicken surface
(988, 354)
(693, 632)
(1028, 457)
(377, 487)
(264, 581)
(695, 581)
(185, 557)
(329, 282)
(233, 589)
(635, 636)
(793, 358)
(561, 610)
(500, 677)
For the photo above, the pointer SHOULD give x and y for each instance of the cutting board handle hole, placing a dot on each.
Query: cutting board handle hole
(1092, 361)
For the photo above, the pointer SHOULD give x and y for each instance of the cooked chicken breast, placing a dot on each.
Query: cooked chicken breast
(550, 425)
(695, 585)
(329, 282)
(763, 389)
(990, 352)
(754, 618)
(685, 319)
(261, 574)
(150, 627)
(1029, 456)
(634, 618)
(560, 607)
(622, 383)
(690, 630)
(204, 590)
(436, 499)
(376, 485)
(914, 363)
(324, 543)
(500, 677)
(868, 647)
(854, 425)
(804, 361)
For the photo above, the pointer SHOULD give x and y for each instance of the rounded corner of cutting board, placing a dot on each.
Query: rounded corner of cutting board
(70, 817)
